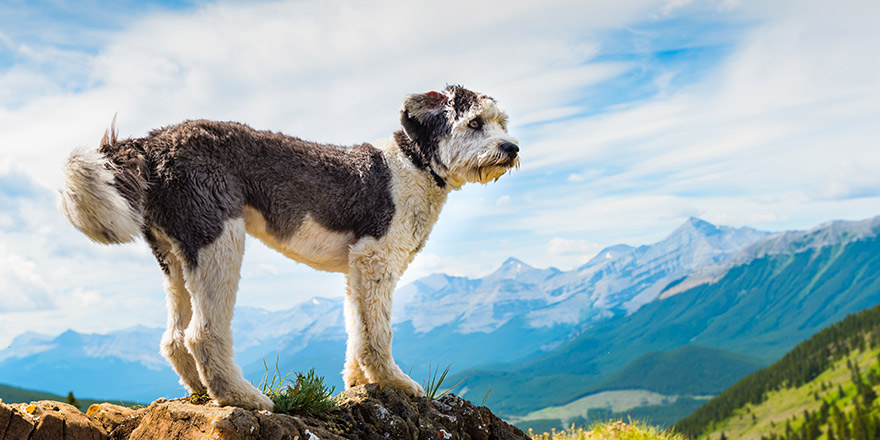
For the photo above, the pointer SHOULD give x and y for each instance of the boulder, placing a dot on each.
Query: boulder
(47, 420)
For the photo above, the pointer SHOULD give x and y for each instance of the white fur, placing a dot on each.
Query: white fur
(92, 204)
(212, 285)
(311, 244)
(467, 156)
(374, 268)
(173, 345)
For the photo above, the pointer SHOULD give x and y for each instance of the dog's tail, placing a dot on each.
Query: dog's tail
(103, 199)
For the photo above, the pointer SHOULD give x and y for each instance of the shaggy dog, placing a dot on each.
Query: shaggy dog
(193, 190)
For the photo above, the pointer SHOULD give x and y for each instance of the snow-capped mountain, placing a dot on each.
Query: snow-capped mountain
(472, 305)
(836, 232)
(626, 278)
(620, 278)
(258, 331)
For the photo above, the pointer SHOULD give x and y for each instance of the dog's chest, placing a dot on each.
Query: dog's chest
(310, 244)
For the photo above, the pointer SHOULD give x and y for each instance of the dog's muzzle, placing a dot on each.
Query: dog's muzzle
(509, 151)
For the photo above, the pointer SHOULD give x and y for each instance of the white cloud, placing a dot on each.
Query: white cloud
(848, 178)
(21, 284)
(503, 200)
(333, 71)
(775, 128)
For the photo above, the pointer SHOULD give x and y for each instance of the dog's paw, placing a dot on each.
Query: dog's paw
(407, 385)
(247, 399)
(354, 376)
(259, 402)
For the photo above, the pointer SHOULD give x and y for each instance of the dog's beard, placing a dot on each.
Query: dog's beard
(494, 171)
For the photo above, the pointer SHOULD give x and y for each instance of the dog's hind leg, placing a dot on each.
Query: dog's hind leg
(179, 314)
(372, 275)
(212, 281)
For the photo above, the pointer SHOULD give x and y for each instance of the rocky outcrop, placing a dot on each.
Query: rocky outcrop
(47, 420)
(366, 412)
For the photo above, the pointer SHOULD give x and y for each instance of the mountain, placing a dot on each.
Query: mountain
(123, 365)
(510, 322)
(760, 307)
(623, 278)
(829, 382)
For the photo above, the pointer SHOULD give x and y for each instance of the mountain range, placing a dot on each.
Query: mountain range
(536, 338)
(757, 307)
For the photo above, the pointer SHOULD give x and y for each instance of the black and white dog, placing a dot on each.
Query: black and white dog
(193, 190)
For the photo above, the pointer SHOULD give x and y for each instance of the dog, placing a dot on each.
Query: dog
(193, 191)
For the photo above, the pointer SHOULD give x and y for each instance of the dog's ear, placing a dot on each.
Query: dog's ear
(422, 115)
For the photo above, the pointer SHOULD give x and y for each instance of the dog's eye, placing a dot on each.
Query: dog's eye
(475, 123)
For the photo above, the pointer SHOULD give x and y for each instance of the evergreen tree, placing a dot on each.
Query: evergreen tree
(72, 400)
(841, 424)
(861, 429)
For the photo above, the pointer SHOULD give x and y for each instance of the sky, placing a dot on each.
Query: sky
(631, 116)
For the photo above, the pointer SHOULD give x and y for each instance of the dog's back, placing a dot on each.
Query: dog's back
(188, 179)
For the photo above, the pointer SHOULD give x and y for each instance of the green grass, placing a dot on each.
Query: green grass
(612, 430)
(306, 395)
(434, 381)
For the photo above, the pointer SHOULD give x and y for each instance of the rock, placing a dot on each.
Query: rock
(118, 421)
(47, 420)
(365, 412)
(376, 413)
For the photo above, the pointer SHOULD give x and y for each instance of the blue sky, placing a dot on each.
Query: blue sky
(632, 116)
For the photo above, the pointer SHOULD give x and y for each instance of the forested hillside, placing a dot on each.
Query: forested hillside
(824, 388)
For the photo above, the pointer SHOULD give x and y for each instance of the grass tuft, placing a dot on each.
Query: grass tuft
(434, 381)
(486, 397)
(199, 398)
(307, 395)
(275, 384)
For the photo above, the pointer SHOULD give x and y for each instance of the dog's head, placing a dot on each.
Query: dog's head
(461, 134)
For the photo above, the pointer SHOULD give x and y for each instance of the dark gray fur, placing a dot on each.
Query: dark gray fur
(199, 174)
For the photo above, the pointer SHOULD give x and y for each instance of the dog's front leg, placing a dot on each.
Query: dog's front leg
(371, 279)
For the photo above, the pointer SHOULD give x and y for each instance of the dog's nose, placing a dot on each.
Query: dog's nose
(509, 148)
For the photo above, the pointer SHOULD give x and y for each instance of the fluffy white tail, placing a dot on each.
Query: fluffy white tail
(90, 200)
